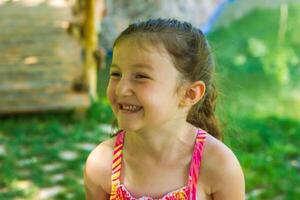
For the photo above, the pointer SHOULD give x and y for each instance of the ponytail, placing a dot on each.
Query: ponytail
(202, 114)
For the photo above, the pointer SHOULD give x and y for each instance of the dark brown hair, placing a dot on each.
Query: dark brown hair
(192, 57)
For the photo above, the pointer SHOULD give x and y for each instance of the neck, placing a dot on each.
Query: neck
(160, 144)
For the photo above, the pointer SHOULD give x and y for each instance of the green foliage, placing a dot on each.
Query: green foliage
(253, 44)
(259, 100)
(276, 61)
(100, 111)
(279, 63)
(46, 151)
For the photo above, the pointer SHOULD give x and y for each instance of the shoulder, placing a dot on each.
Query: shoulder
(221, 170)
(98, 165)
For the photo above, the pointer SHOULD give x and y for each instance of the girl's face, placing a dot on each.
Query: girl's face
(142, 88)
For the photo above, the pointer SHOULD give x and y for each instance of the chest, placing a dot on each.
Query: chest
(156, 180)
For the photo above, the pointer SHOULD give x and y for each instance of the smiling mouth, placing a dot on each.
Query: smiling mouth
(130, 108)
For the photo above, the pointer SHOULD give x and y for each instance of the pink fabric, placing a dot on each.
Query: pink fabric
(188, 192)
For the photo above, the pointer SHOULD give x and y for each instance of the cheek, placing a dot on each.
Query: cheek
(154, 96)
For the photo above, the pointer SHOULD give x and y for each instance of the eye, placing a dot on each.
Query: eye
(141, 76)
(115, 74)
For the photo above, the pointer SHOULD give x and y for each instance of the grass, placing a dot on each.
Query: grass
(260, 113)
(44, 154)
(43, 151)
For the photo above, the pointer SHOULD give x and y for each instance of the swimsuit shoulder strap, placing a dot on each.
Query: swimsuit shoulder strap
(117, 163)
(196, 163)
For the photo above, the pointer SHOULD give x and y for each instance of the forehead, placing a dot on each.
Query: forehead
(140, 53)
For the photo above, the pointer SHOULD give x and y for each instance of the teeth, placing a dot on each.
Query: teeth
(130, 107)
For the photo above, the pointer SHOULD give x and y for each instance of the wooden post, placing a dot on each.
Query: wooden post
(90, 45)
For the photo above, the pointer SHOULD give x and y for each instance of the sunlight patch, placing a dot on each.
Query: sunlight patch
(86, 146)
(3, 1)
(70, 196)
(22, 184)
(2, 150)
(57, 177)
(27, 186)
(47, 193)
(80, 181)
(57, 3)
(254, 193)
(28, 161)
(51, 167)
(295, 163)
(31, 60)
(68, 155)
(106, 128)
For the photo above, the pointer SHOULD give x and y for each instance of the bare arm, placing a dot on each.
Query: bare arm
(92, 191)
(221, 172)
(230, 184)
(97, 173)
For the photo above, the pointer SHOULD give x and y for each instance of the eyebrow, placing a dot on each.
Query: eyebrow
(138, 65)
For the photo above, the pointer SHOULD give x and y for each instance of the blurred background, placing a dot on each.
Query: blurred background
(54, 63)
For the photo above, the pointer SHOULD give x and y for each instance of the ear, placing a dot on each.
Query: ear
(193, 93)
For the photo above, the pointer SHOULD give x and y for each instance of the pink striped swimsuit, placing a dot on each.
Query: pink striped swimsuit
(188, 192)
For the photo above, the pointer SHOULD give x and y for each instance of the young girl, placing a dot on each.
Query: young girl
(168, 147)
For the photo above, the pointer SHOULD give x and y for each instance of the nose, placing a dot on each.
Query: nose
(124, 88)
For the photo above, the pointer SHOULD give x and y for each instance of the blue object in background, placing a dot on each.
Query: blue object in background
(206, 28)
